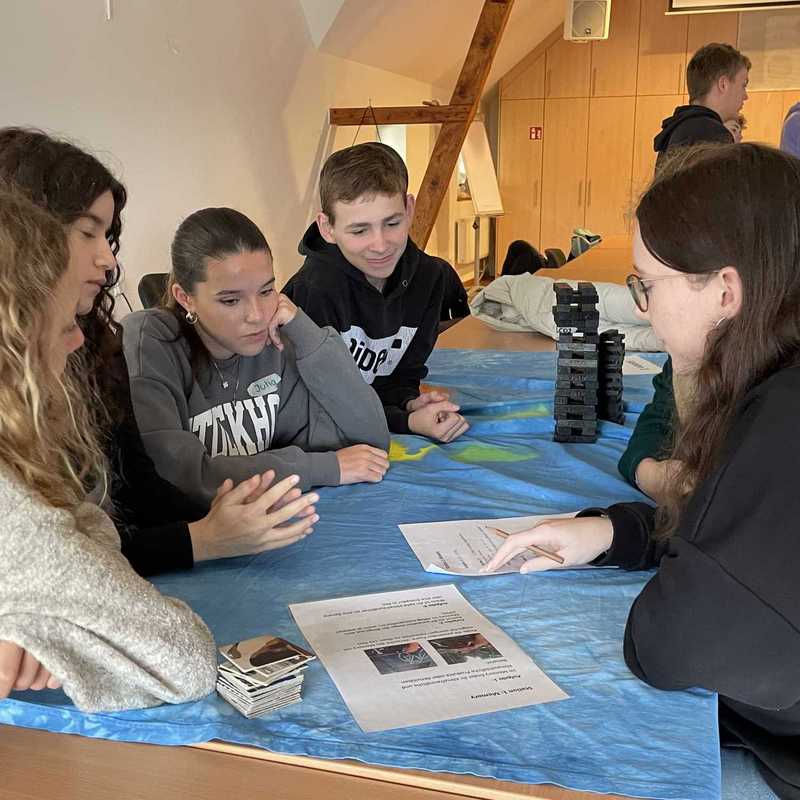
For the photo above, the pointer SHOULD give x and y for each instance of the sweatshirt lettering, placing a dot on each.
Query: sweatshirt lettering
(376, 357)
(241, 428)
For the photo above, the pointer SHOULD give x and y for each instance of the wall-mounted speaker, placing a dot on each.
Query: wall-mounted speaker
(586, 20)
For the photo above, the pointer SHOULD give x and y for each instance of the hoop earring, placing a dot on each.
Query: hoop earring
(719, 322)
(191, 317)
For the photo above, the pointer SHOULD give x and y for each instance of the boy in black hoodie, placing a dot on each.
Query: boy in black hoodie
(364, 277)
(716, 79)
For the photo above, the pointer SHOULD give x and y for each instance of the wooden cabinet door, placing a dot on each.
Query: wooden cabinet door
(764, 112)
(563, 170)
(707, 28)
(567, 69)
(662, 51)
(609, 165)
(520, 173)
(527, 85)
(614, 59)
(650, 111)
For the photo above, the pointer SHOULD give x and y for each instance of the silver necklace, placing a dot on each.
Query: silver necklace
(225, 383)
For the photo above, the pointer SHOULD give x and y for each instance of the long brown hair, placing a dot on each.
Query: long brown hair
(65, 180)
(46, 435)
(716, 206)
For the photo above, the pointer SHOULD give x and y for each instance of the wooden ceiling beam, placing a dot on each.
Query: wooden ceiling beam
(399, 115)
(468, 91)
(455, 118)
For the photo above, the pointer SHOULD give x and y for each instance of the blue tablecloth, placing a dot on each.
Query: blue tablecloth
(614, 735)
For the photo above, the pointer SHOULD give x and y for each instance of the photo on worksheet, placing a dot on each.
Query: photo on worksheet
(464, 647)
(399, 658)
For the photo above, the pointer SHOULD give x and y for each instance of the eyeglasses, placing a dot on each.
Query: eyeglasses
(640, 287)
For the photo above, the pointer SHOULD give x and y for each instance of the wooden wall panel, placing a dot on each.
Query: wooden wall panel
(567, 69)
(564, 169)
(764, 112)
(650, 111)
(614, 61)
(529, 84)
(609, 164)
(520, 174)
(707, 28)
(662, 51)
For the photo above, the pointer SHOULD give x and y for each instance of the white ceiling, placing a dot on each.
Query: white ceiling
(424, 39)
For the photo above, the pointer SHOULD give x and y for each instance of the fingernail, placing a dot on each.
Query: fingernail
(315, 518)
(294, 478)
(313, 498)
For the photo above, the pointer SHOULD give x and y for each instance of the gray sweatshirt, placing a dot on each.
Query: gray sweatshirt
(290, 412)
(70, 598)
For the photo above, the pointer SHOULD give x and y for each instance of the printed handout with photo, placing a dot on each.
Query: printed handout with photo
(466, 647)
(419, 655)
(399, 658)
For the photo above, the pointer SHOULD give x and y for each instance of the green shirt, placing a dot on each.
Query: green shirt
(652, 436)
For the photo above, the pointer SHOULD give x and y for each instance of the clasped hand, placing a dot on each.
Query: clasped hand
(253, 517)
(433, 415)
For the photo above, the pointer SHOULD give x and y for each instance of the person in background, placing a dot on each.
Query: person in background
(716, 79)
(231, 378)
(722, 612)
(72, 611)
(790, 133)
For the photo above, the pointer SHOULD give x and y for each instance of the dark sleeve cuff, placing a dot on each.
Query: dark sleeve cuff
(162, 549)
(397, 418)
(632, 546)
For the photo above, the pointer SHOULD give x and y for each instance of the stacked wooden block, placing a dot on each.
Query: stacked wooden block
(589, 366)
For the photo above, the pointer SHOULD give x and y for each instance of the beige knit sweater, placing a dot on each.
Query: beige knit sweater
(68, 596)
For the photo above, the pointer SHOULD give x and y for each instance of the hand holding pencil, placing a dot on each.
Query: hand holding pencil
(557, 543)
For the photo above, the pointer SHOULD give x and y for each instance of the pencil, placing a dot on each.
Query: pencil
(539, 551)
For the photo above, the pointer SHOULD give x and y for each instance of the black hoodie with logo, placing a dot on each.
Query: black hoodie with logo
(690, 125)
(389, 333)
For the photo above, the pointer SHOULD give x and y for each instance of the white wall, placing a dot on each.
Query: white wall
(192, 103)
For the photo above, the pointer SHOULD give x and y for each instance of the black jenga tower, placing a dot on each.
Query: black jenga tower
(589, 379)
(577, 380)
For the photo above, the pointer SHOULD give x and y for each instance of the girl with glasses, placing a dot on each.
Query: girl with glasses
(719, 280)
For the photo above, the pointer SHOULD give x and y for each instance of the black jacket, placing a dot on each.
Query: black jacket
(150, 514)
(391, 333)
(723, 610)
(689, 125)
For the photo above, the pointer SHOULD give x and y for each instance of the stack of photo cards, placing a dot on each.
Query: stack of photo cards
(262, 674)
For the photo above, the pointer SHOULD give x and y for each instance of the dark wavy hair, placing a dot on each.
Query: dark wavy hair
(63, 179)
(711, 207)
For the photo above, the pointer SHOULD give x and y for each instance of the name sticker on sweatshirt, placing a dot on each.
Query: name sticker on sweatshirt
(263, 386)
